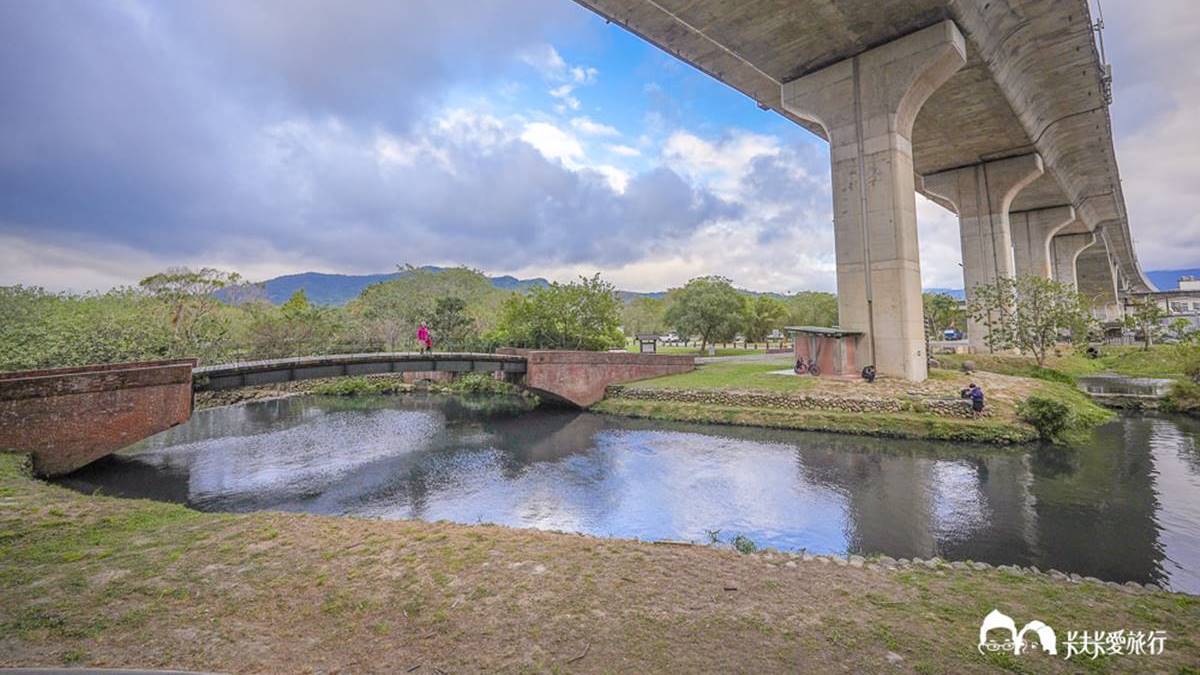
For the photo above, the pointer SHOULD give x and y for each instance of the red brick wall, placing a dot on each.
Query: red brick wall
(834, 359)
(580, 378)
(69, 417)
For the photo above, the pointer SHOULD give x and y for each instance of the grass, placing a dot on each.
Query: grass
(1160, 361)
(1004, 390)
(695, 351)
(93, 581)
(1131, 361)
(888, 425)
(744, 376)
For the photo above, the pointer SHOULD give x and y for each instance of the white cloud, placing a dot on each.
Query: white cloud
(722, 163)
(546, 60)
(592, 127)
(623, 150)
(584, 75)
(553, 143)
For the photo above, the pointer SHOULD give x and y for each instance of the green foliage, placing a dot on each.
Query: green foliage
(480, 383)
(1146, 319)
(743, 544)
(1062, 414)
(297, 328)
(763, 315)
(1029, 313)
(451, 326)
(1051, 417)
(580, 315)
(641, 316)
(708, 307)
(389, 312)
(812, 308)
(1185, 397)
(942, 312)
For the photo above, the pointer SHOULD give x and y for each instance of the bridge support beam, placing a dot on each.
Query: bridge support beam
(1064, 249)
(982, 194)
(1031, 235)
(867, 105)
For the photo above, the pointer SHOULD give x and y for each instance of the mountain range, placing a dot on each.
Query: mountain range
(338, 289)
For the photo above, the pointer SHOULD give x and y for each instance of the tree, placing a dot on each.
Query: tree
(709, 307)
(941, 312)
(390, 312)
(452, 329)
(585, 314)
(1146, 318)
(644, 315)
(763, 315)
(189, 298)
(812, 308)
(1180, 328)
(1030, 313)
(297, 328)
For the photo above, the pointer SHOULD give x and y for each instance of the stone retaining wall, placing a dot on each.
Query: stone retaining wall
(945, 407)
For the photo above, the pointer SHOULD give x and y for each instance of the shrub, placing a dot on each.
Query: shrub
(1185, 397)
(1051, 417)
(744, 545)
(480, 383)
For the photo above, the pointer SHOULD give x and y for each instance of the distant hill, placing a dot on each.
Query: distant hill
(1168, 280)
(956, 293)
(338, 289)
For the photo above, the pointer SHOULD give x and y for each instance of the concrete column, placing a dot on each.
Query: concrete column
(1098, 280)
(981, 194)
(867, 106)
(1031, 235)
(1064, 249)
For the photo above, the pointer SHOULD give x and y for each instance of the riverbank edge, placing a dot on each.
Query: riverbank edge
(104, 581)
(916, 426)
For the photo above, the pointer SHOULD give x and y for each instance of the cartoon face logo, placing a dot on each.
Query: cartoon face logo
(1014, 641)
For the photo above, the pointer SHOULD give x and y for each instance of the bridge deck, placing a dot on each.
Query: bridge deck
(251, 373)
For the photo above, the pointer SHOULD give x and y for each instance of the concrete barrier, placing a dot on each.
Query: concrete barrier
(69, 417)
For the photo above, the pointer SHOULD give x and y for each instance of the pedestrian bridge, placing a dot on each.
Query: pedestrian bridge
(272, 371)
(67, 418)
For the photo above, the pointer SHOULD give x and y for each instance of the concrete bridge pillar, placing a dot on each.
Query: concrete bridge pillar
(1098, 280)
(1064, 249)
(1031, 235)
(981, 195)
(867, 105)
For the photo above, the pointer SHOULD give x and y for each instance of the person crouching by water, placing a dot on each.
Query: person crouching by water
(974, 393)
(424, 338)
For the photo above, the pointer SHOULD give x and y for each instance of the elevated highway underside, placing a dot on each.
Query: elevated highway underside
(1032, 82)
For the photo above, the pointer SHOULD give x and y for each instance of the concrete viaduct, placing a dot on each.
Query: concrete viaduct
(995, 110)
(67, 418)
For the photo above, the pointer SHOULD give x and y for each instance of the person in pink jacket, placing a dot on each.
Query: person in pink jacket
(424, 338)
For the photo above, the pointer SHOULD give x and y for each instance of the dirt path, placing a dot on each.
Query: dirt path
(100, 581)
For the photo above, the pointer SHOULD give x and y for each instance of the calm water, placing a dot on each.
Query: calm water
(1125, 506)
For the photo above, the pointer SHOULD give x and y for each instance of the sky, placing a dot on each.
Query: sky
(525, 137)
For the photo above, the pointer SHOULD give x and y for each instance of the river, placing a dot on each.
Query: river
(1124, 506)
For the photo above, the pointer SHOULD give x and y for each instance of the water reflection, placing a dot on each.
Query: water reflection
(1124, 506)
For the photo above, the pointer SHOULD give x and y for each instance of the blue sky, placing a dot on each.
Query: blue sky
(515, 136)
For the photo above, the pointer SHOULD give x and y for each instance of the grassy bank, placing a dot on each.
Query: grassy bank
(1003, 424)
(888, 425)
(1160, 361)
(98, 581)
